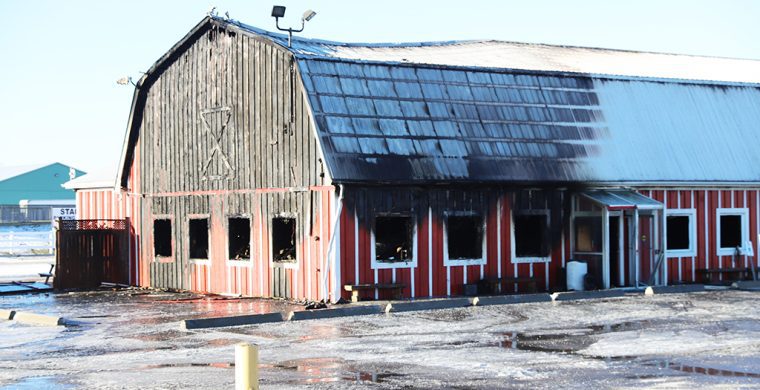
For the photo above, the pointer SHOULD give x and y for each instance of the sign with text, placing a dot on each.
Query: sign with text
(67, 213)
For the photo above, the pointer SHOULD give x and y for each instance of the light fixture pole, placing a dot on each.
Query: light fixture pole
(278, 11)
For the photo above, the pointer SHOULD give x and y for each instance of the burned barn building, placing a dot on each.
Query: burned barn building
(255, 167)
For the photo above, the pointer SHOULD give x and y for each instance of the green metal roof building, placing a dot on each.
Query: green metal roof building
(36, 183)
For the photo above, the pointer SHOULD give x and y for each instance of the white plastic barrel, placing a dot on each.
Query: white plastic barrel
(576, 270)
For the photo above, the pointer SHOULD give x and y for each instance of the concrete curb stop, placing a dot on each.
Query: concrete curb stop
(334, 313)
(218, 322)
(38, 319)
(513, 299)
(7, 314)
(683, 288)
(747, 285)
(578, 295)
(452, 303)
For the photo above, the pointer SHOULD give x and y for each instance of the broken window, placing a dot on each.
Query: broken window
(284, 239)
(464, 237)
(730, 231)
(531, 235)
(733, 226)
(198, 238)
(393, 238)
(679, 233)
(588, 234)
(162, 237)
(239, 236)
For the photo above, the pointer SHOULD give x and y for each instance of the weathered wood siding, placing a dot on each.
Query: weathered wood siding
(226, 132)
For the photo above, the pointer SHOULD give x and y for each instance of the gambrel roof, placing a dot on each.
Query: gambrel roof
(503, 112)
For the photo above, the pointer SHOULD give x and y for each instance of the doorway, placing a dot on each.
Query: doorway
(617, 271)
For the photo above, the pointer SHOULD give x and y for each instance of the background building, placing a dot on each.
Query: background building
(28, 192)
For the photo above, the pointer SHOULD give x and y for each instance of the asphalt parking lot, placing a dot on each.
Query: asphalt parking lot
(132, 339)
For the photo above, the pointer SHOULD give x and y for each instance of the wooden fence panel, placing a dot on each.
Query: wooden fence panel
(91, 252)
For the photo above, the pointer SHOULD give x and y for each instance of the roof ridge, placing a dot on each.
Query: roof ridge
(301, 39)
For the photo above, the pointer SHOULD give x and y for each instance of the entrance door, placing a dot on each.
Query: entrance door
(646, 247)
(616, 270)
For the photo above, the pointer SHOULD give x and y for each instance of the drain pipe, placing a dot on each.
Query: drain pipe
(331, 249)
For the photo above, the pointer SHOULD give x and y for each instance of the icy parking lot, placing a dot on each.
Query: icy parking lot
(132, 339)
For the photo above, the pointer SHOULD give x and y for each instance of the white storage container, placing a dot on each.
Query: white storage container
(576, 270)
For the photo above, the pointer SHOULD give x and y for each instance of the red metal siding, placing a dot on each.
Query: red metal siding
(430, 277)
(448, 280)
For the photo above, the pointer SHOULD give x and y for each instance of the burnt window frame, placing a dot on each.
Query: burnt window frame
(250, 258)
(156, 258)
(743, 214)
(484, 250)
(691, 251)
(513, 243)
(381, 264)
(207, 217)
(283, 263)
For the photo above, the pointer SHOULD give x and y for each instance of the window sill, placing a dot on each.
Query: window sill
(464, 262)
(380, 264)
(287, 264)
(681, 253)
(163, 259)
(200, 261)
(531, 260)
(727, 252)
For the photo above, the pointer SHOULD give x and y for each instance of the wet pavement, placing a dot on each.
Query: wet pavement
(132, 339)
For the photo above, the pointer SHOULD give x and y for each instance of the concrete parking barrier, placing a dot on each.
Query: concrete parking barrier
(450, 303)
(513, 299)
(361, 310)
(746, 285)
(218, 322)
(38, 319)
(684, 288)
(597, 294)
(7, 314)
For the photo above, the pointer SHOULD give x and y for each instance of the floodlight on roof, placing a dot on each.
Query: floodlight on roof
(125, 80)
(278, 11)
(308, 15)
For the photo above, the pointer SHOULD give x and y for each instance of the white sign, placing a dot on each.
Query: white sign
(67, 213)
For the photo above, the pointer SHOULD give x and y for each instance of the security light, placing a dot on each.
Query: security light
(308, 15)
(125, 80)
(278, 11)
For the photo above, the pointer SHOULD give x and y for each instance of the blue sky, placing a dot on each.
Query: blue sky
(59, 100)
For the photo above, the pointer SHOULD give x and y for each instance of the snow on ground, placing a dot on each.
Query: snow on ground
(130, 339)
(24, 268)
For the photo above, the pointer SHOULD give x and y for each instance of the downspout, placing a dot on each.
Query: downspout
(331, 249)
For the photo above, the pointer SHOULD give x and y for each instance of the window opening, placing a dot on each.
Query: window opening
(198, 238)
(239, 236)
(162, 237)
(465, 237)
(531, 236)
(284, 239)
(588, 234)
(679, 233)
(393, 238)
(730, 231)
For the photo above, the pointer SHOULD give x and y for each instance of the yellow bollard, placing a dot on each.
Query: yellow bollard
(246, 366)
